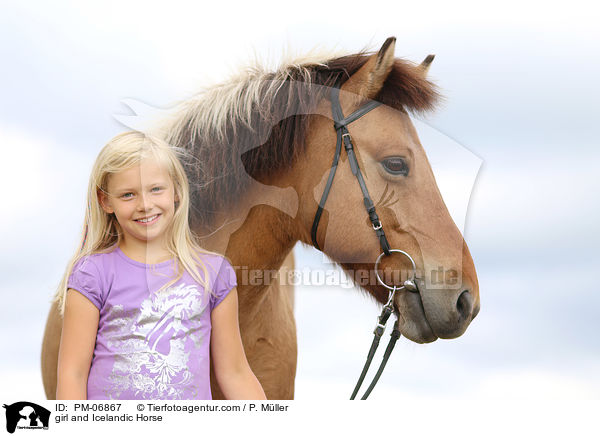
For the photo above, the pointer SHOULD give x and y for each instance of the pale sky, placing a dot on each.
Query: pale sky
(520, 82)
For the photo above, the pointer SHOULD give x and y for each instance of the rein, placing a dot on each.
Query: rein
(343, 138)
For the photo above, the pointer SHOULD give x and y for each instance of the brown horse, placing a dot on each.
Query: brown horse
(262, 146)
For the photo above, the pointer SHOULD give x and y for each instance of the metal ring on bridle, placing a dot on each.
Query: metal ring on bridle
(408, 284)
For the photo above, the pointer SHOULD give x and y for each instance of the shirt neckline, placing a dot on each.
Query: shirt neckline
(141, 264)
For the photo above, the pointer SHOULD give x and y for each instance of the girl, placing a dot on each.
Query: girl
(141, 300)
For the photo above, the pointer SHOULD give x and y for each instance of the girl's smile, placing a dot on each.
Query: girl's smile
(147, 221)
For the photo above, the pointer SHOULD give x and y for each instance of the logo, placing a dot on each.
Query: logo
(26, 415)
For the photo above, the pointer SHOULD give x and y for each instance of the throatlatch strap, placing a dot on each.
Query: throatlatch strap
(336, 158)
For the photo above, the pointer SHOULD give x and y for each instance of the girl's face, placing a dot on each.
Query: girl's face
(143, 201)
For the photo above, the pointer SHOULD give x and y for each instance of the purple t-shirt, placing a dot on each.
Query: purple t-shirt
(151, 343)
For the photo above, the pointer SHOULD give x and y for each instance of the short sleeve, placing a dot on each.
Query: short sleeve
(85, 279)
(224, 282)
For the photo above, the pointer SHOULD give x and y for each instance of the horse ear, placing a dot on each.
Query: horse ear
(424, 66)
(369, 79)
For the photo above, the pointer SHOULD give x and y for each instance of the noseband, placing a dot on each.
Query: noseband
(343, 137)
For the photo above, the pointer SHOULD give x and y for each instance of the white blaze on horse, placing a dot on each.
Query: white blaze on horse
(262, 147)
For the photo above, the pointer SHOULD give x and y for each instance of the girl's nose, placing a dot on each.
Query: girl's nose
(144, 203)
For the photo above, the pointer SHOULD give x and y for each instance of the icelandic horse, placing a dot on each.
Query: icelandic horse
(262, 146)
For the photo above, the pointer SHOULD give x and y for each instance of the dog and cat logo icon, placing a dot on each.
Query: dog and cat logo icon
(26, 415)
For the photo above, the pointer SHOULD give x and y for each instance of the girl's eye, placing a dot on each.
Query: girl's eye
(127, 195)
(156, 189)
(396, 166)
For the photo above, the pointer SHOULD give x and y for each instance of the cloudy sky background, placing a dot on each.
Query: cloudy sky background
(521, 90)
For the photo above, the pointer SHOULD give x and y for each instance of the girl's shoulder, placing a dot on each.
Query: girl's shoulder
(88, 277)
(211, 258)
(96, 261)
(222, 272)
(214, 262)
(222, 276)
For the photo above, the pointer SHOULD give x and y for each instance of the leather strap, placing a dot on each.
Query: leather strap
(386, 355)
(379, 329)
(343, 138)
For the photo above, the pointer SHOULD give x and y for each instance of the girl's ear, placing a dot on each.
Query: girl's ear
(104, 201)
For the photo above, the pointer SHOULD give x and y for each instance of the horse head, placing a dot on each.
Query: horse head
(408, 202)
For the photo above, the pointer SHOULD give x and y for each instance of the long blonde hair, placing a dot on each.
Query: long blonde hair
(102, 232)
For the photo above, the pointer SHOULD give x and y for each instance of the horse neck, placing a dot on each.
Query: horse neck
(258, 232)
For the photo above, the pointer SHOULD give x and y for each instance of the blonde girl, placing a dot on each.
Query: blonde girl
(144, 306)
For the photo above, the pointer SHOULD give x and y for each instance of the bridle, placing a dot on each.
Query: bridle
(343, 137)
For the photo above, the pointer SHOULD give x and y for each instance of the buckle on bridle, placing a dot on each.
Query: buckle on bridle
(377, 227)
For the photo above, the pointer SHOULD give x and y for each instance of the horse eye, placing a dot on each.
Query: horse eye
(396, 166)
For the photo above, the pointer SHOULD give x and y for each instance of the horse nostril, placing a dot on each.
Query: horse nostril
(464, 304)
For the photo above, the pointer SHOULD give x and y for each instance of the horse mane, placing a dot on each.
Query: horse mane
(255, 124)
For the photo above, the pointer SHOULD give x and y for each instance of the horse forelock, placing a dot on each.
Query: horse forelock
(255, 123)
